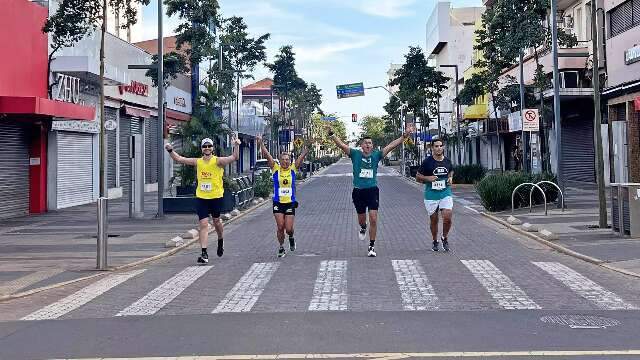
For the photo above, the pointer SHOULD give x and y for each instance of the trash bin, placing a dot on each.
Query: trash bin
(625, 209)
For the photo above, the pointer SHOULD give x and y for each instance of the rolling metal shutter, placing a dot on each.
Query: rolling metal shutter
(75, 169)
(151, 150)
(112, 149)
(14, 171)
(128, 126)
(578, 154)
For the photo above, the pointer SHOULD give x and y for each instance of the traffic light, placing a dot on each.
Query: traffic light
(354, 117)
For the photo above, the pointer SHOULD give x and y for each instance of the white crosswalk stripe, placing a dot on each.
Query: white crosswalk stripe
(501, 288)
(165, 293)
(248, 289)
(415, 289)
(27, 280)
(81, 297)
(585, 287)
(330, 289)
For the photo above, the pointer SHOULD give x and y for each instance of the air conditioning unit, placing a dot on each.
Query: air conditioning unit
(569, 79)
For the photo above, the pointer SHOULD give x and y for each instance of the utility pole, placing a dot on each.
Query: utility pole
(523, 134)
(602, 201)
(556, 92)
(160, 149)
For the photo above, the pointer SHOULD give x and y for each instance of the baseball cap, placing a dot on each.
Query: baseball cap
(206, 141)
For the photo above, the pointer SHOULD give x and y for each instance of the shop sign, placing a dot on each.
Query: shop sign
(632, 55)
(68, 89)
(76, 126)
(135, 87)
(636, 103)
(180, 101)
(110, 125)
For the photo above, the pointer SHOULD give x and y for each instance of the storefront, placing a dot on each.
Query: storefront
(26, 112)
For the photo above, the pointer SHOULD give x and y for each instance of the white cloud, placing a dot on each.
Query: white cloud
(386, 8)
(321, 53)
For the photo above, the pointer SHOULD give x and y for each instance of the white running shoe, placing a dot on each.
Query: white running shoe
(362, 234)
(372, 252)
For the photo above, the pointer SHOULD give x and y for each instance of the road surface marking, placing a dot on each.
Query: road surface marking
(472, 209)
(584, 287)
(501, 288)
(248, 289)
(27, 280)
(157, 298)
(407, 355)
(415, 289)
(330, 290)
(81, 297)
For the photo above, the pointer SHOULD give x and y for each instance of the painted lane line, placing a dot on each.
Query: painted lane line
(27, 280)
(415, 289)
(499, 286)
(248, 289)
(585, 287)
(472, 209)
(330, 289)
(81, 297)
(159, 297)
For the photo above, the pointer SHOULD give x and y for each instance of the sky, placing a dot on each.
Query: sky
(335, 41)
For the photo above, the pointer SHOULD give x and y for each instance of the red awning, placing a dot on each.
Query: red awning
(40, 106)
(172, 114)
(134, 111)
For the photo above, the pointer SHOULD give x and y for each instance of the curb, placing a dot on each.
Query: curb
(559, 248)
(125, 266)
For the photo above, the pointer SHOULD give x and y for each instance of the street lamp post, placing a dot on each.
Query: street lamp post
(602, 202)
(457, 111)
(556, 92)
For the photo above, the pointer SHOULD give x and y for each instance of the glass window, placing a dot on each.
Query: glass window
(621, 18)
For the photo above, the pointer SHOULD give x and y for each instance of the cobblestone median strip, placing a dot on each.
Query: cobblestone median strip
(165, 293)
(330, 289)
(81, 297)
(415, 289)
(500, 287)
(585, 287)
(248, 289)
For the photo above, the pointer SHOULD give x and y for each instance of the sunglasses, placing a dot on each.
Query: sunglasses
(207, 146)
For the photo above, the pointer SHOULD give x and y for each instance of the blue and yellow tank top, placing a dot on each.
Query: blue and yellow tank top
(284, 184)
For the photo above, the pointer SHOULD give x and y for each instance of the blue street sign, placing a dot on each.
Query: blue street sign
(329, 118)
(350, 90)
(285, 136)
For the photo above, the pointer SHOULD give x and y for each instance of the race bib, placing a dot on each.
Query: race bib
(285, 192)
(205, 186)
(439, 185)
(366, 173)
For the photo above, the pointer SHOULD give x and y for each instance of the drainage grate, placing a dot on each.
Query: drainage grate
(580, 321)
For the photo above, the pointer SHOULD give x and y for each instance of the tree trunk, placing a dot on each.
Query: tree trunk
(544, 138)
(495, 113)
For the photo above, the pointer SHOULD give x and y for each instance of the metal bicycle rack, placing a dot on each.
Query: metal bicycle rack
(547, 182)
(544, 196)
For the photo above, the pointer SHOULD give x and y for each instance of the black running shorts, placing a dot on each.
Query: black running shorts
(364, 199)
(286, 208)
(204, 207)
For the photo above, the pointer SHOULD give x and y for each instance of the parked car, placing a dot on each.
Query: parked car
(261, 166)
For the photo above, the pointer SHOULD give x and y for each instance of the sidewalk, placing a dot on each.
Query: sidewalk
(56, 247)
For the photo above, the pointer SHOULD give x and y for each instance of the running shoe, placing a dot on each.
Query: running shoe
(220, 250)
(434, 247)
(203, 259)
(445, 244)
(372, 252)
(281, 252)
(362, 234)
(292, 244)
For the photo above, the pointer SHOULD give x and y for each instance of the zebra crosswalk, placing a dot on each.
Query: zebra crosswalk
(413, 289)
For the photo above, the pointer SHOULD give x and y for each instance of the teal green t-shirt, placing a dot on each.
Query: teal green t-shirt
(441, 169)
(365, 168)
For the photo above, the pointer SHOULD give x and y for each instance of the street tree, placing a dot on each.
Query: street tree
(71, 21)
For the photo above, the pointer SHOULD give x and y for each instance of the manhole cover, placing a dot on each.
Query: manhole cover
(580, 321)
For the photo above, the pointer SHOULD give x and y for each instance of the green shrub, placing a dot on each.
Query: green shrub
(229, 185)
(495, 190)
(263, 184)
(468, 174)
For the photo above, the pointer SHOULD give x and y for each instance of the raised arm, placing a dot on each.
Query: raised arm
(300, 158)
(222, 161)
(180, 159)
(344, 147)
(407, 132)
(265, 152)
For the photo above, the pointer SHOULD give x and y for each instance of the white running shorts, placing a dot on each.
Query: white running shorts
(433, 205)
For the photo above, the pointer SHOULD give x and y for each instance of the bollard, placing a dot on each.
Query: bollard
(101, 255)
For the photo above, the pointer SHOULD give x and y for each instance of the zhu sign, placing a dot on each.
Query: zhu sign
(68, 89)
